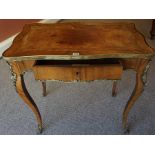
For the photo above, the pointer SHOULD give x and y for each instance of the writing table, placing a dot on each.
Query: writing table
(78, 52)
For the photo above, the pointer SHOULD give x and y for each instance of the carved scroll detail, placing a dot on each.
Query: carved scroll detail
(144, 76)
(13, 75)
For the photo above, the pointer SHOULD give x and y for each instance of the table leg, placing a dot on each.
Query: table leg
(22, 91)
(44, 87)
(139, 87)
(114, 88)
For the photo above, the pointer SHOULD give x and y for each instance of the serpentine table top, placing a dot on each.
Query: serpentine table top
(78, 41)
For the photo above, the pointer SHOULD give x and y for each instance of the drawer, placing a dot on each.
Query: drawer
(77, 70)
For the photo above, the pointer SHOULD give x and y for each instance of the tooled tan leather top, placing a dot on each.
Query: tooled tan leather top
(78, 41)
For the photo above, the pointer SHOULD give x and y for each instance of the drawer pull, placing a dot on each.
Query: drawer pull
(78, 76)
(77, 73)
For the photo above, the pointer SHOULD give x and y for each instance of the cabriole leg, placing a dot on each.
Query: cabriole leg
(139, 87)
(22, 91)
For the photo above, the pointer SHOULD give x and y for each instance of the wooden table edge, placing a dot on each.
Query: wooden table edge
(83, 57)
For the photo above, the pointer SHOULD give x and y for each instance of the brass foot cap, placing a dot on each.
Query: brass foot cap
(40, 128)
(126, 131)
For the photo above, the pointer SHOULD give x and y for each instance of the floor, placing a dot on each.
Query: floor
(79, 108)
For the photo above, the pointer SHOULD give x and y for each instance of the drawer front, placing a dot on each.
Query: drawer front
(109, 72)
(78, 73)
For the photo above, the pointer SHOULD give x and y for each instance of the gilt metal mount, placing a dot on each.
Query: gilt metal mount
(13, 75)
(144, 76)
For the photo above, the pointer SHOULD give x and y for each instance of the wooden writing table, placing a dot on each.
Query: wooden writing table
(78, 52)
